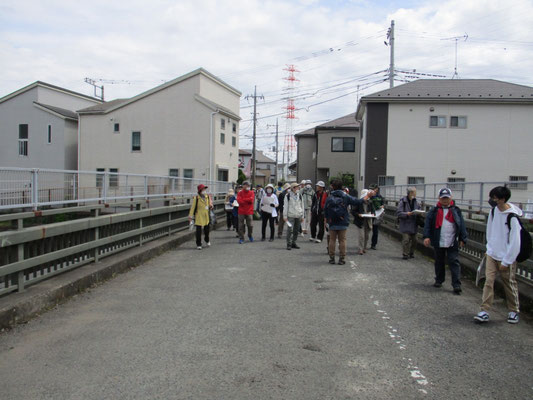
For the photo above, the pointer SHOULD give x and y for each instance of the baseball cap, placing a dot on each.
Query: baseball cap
(445, 192)
(201, 187)
(321, 184)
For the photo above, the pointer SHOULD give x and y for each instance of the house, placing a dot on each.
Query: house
(444, 130)
(329, 150)
(265, 167)
(187, 127)
(39, 127)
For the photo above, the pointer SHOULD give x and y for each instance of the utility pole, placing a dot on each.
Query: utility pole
(255, 96)
(276, 149)
(390, 36)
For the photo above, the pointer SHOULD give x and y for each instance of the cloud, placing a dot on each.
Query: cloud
(250, 42)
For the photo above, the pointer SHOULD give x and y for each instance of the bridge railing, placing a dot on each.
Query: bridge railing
(23, 188)
(468, 195)
(31, 254)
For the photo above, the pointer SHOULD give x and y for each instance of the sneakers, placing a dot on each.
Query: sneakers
(208, 244)
(411, 255)
(341, 261)
(312, 239)
(482, 316)
(295, 246)
(405, 257)
(289, 247)
(373, 248)
(457, 290)
(199, 248)
(251, 238)
(332, 260)
(241, 241)
(318, 241)
(513, 318)
(437, 284)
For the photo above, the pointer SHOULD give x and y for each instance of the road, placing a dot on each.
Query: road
(255, 321)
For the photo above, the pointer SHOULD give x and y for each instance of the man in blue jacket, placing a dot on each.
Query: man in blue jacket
(337, 217)
(445, 230)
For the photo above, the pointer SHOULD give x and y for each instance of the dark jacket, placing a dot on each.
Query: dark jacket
(347, 200)
(434, 234)
(281, 201)
(318, 203)
(407, 223)
(360, 209)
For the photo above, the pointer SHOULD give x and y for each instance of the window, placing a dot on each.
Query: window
(456, 186)
(234, 127)
(188, 173)
(136, 141)
(223, 175)
(100, 177)
(173, 172)
(458, 122)
(222, 123)
(437, 121)
(49, 135)
(519, 186)
(234, 141)
(222, 138)
(116, 128)
(346, 144)
(23, 140)
(385, 180)
(113, 179)
(415, 180)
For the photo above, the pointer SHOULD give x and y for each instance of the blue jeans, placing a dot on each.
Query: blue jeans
(452, 253)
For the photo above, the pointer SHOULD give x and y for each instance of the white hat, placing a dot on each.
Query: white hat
(271, 186)
(303, 182)
(308, 181)
(364, 192)
(321, 184)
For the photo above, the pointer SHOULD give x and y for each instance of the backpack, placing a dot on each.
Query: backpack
(525, 238)
(337, 209)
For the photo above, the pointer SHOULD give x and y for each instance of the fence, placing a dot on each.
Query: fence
(467, 195)
(29, 255)
(36, 188)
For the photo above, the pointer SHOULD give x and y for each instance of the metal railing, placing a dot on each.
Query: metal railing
(467, 195)
(31, 254)
(36, 188)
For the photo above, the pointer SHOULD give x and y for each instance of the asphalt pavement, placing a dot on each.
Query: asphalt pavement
(256, 321)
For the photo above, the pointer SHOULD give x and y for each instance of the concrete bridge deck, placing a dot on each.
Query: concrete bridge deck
(256, 321)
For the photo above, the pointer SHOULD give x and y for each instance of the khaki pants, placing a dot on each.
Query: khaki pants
(242, 220)
(408, 243)
(363, 235)
(341, 236)
(509, 285)
(281, 224)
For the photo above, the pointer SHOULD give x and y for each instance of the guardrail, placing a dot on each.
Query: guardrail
(468, 195)
(475, 246)
(29, 255)
(36, 188)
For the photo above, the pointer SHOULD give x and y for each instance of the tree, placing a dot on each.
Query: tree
(348, 180)
(241, 177)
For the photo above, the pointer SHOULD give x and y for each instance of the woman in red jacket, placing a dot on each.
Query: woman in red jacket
(246, 199)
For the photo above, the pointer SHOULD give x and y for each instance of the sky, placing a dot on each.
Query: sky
(337, 47)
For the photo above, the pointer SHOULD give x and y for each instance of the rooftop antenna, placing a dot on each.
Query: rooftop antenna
(456, 38)
(92, 82)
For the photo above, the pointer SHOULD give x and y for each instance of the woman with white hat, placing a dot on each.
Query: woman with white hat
(268, 205)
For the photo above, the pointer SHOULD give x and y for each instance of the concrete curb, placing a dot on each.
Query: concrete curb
(17, 308)
(469, 269)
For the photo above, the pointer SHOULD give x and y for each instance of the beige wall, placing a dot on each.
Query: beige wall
(306, 158)
(175, 133)
(337, 162)
(496, 143)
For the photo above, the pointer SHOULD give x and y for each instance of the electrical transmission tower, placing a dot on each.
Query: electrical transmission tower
(290, 144)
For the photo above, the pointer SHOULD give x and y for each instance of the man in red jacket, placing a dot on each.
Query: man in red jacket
(246, 199)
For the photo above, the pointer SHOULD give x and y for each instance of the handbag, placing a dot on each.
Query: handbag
(212, 218)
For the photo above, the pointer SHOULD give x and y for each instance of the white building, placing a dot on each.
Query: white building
(39, 127)
(447, 131)
(187, 127)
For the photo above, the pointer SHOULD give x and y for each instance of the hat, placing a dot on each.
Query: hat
(230, 191)
(246, 183)
(373, 186)
(201, 187)
(364, 192)
(286, 186)
(445, 192)
(321, 184)
(308, 181)
(303, 182)
(294, 184)
(271, 186)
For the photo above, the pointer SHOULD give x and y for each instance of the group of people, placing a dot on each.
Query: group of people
(299, 207)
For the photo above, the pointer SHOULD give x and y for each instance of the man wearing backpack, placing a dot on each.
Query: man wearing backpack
(337, 217)
(503, 247)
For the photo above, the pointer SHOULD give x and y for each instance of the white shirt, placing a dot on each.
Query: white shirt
(447, 230)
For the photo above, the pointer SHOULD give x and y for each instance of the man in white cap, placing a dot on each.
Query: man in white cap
(307, 196)
(445, 230)
(317, 212)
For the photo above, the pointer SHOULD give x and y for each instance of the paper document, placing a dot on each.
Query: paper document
(379, 212)
(235, 204)
(419, 211)
(367, 216)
